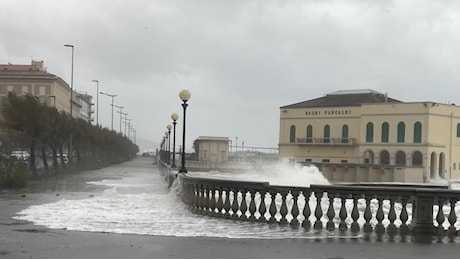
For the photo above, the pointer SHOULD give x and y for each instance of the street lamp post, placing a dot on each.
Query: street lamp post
(127, 120)
(97, 101)
(162, 153)
(71, 102)
(166, 147)
(129, 129)
(134, 135)
(124, 120)
(184, 95)
(169, 127)
(112, 96)
(174, 117)
(120, 115)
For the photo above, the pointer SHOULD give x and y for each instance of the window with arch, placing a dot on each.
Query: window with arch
(327, 134)
(369, 132)
(417, 132)
(309, 134)
(400, 158)
(384, 157)
(417, 159)
(345, 134)
(401, 132)
(385, 132)
(292, 134)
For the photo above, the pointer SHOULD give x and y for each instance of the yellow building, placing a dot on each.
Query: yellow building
(365, 136)
(49, 88)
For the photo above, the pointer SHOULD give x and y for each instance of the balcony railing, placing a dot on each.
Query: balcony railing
(326, 141)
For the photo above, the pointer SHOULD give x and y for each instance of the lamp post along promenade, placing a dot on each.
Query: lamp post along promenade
(184, 95)
(112, 96)
(71, 102)
(174, 117)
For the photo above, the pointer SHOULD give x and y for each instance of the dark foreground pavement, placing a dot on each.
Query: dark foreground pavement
(19, 239)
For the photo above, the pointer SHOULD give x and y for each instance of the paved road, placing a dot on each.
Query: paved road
(19, 239)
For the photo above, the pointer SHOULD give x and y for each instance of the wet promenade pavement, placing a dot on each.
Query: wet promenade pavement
(22, 239)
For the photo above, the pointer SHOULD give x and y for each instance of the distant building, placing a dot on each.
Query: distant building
(212, 148)
(363, 135)
(49, 88)
(85, 104)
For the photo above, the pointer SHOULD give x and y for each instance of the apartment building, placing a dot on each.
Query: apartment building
(49, 88)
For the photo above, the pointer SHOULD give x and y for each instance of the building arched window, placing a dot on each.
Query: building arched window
(417, 159)
(385, 132)
(327, 134)
(345, 134)
(400, 158)
(417, 132)
(401, 132)
(384, 157)
(369, 132)
(292, 134)
(309, 134)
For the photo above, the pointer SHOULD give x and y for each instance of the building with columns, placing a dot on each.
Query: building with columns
(366, 136)
(49, 88)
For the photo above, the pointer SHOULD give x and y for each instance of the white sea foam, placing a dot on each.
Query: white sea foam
(280, 173)
(141, 204)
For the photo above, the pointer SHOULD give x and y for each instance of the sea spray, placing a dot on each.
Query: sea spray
(281, 173)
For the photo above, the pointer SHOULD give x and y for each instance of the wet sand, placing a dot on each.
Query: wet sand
(22, 239)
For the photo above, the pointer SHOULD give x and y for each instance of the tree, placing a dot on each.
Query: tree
(25, 114)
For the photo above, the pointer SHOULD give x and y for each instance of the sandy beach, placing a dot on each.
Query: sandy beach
(22, 239)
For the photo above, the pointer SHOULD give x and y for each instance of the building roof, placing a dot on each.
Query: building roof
(345, 98)
(35, 71)
(212, 138)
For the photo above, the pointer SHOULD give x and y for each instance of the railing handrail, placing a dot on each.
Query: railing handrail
(223, 183)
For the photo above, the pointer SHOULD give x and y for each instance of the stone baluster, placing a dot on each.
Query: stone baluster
(355, 214)
(379, 227)
(235, 203)
(452, 216)
(404, 216)
(201, 200)
(243, 205)
(262, 206)
(440, 218)
(283, 208)
(306, 224)
(367, 227)
(220, 203)
(212, 203)
(252, 205)
(343, 213)
(318, 211)
(391, 229)
(295, 208)
(227, 205)
(205, 200)
(330, 213)
(196, 198)
(273, 210)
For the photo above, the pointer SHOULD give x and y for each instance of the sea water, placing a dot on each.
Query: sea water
(140, 203)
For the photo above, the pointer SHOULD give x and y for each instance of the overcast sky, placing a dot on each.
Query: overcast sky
(241, 60)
